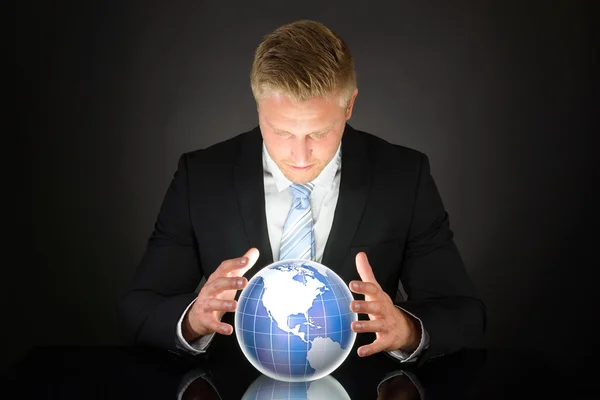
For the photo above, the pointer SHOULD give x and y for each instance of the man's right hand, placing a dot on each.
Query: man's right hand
(217, 297)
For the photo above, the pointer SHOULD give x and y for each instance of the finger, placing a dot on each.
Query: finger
(373, 348)
(211, 324)
(368, 288)
(222, 328)
(223, 283)
(368, 307)
(239, 266)
(214, 304)
(377, 325)
(364, 268)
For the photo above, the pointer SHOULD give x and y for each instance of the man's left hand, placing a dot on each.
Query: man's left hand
(394, 329)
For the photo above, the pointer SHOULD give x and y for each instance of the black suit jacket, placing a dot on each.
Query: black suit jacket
(388, 206)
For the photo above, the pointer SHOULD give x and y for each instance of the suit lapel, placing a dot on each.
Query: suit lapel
(354, 189)
(250, 192)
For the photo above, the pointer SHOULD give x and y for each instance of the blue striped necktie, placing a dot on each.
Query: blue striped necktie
(298, 239)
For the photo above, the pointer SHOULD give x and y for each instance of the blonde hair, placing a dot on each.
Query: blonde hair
(304, 59)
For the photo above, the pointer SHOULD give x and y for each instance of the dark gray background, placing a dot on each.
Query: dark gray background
(110, 94)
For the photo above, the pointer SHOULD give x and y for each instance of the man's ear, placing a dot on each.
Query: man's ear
(351, 104)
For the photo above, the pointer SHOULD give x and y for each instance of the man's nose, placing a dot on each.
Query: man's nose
(301, 152)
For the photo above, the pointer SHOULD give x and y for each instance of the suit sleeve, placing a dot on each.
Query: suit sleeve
(439, 291)
(164, 282)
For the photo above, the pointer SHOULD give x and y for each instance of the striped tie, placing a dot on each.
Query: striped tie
(298, 240)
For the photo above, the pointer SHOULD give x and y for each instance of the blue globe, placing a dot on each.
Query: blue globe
(293, 321)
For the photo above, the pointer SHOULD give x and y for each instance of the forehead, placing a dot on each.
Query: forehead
(278, 108)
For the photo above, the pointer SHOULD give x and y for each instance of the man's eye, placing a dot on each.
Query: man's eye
(283, 134)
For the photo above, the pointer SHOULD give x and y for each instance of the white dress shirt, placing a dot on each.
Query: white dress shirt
(278, 201)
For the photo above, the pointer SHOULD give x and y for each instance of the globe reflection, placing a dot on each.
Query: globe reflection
(326, 388)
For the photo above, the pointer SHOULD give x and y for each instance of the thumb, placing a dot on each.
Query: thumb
(364, 268)
(252, 256)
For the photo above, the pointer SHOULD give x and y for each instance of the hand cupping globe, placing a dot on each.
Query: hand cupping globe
(293, 321)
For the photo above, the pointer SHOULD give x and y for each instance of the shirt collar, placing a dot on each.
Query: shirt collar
(324, 179)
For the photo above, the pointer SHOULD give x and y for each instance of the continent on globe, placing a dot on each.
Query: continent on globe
(281, 282)
(323, 349)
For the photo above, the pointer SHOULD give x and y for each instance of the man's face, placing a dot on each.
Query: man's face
(302, 137)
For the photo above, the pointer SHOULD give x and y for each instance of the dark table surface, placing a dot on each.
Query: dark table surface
(224, 373)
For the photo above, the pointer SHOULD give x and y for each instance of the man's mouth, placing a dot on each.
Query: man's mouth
(301, 169)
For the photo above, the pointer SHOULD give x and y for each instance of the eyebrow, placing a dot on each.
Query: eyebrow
(311, 133)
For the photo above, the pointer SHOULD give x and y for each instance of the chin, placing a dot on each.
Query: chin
(301, 178)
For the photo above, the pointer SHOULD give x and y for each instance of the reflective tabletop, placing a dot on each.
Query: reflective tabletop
(224, 373)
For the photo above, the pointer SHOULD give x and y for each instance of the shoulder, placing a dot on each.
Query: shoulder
(222, 153)
(385, 155)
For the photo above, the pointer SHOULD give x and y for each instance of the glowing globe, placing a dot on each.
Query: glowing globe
(293, 321)
(265, 388)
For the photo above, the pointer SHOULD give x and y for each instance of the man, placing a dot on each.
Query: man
(372, 214)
